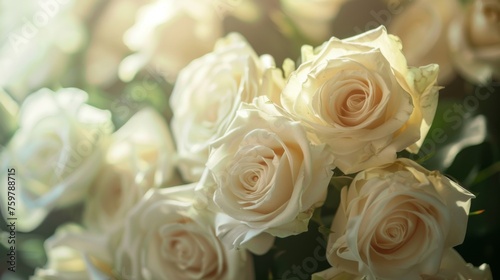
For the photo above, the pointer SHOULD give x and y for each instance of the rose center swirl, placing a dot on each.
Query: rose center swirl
(260, 176)
(350, 100)
(393, 233)
(185, 248)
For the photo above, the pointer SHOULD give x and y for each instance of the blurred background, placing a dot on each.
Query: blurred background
(127, 53)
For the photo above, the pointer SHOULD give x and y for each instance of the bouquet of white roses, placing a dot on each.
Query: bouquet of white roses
(241, 169)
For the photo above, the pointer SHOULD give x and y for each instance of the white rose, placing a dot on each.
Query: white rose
(56, 153)
(168, 34)
(141, 156)
(165, 237)
(207, 94)
(334, 273)
(265, 178)
(313, 17)
(474, 39)
(397, 221)
(358, 96)
(423, 29)
(144, 144)
(452, 266)
(75, 254)
(110, 197)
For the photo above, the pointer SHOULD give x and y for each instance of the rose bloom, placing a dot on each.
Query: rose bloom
(75, 254)
(453, 266)
(165, 237)
(169, 34)
(56, 152)
(474, 39)
(397, 221)
(208, 92)
(110, 197)
(423, 29)
(264, 177)
(140, 157)
(359, 97)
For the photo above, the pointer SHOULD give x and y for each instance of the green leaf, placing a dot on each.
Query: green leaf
(32, 251)
(9, 110)
(300, 255)
(454, 129)
(487, 173)
(325, 231)
(341, 181)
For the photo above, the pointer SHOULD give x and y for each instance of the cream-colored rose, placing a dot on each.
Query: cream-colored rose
(474, 39)
(359, 97)
(67, 263)
(169, 34)
(165, 237)
(334, 273)
(107, 47)
(452, 266)
(141, 156)
(110, 197)
(145, 145)
(73, 253)
(56, 153)
(313, 17)
(397, 221)
(37, 40)
(423, 29)
(264, 177)
(207, 94)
